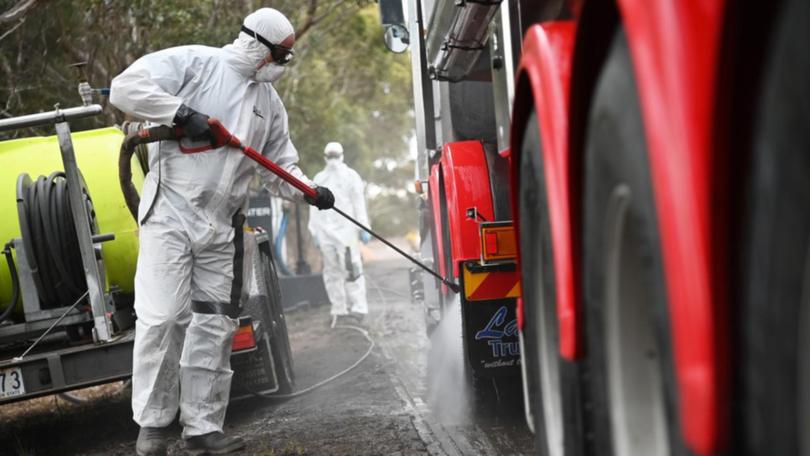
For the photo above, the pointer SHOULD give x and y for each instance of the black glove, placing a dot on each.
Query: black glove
(323, 200)
(194, 124)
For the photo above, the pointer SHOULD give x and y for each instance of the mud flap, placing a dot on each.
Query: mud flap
(254, 370)
(491, 340)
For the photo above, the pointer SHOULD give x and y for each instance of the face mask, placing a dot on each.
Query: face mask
(269, 73)
(333, 162)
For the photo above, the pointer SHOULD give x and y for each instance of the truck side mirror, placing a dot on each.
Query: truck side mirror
(396, 34)
(397, 38)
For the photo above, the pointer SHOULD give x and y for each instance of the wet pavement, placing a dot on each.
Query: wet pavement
(382, 407)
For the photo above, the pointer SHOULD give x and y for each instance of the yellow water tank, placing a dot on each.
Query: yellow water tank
(97, 157)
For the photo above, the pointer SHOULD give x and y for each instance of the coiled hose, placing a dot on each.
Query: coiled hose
(51, 242)
(15, 284)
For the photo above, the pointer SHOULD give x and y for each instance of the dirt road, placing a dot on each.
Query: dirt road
(380, 408)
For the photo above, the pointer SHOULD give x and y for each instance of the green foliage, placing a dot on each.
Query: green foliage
(343, 85)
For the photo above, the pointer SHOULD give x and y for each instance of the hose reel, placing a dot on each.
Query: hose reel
(49, 237)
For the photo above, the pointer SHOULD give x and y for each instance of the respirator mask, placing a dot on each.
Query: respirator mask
(270, 72)
(281, 55)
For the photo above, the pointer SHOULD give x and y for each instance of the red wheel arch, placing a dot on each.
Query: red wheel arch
(463, 172)
(543, 79)
(434, 183)
(675, 48)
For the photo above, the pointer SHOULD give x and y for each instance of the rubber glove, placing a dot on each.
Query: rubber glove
(195, 125)
(324, 199)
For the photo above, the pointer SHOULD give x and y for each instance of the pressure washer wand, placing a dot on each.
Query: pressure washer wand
(309, 191)
(222, 137)
(452, 285)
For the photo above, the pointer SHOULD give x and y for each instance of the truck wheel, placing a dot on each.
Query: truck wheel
(552, 383)
(631, 382)
(773, 403)
(276, 324)
(254, 371)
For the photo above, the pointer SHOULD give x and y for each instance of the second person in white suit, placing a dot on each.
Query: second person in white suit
(337, 238)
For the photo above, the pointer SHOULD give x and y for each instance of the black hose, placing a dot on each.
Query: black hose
(15, 284)
(128, 146)
(55, 254)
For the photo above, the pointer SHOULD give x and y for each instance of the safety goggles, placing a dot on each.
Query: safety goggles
(281, 55)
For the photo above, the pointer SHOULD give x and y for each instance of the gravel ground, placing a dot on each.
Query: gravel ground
(379, 408)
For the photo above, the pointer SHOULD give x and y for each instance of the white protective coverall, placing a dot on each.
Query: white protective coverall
(188, 282)
(335, 236)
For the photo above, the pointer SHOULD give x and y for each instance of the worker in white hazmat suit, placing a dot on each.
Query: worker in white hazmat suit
(336, 237)
(188, 283)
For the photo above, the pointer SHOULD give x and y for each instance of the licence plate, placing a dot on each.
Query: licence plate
(11, 383)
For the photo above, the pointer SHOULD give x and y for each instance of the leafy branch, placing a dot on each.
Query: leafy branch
(17, 11)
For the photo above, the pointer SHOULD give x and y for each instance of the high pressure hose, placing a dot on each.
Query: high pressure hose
(128, 147)
(74, 399)
(361, 331)
(309, 389)
(137, 136)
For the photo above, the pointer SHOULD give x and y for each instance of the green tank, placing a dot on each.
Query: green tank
(97, 156)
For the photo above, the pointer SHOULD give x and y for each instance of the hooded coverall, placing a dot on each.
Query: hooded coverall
(336, 237)
(188, 282)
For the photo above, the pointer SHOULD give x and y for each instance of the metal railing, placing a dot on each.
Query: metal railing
(50, 117)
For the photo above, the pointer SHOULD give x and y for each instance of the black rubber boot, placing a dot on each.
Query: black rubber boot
(214, 443)
(152, 441)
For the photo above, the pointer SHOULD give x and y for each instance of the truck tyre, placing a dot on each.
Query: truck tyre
(631, 384)
(552, 383)
(773, 404)
(254, 370)
(276, 325)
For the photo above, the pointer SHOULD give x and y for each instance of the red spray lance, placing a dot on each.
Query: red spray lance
(222, 137)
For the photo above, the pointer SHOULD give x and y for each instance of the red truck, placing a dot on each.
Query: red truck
(642, 170)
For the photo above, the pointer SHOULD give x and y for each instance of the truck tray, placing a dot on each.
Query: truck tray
(69, 368)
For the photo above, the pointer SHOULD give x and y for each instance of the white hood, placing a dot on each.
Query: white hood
(247, 52)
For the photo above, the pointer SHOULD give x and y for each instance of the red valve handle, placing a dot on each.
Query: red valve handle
(220, 136)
